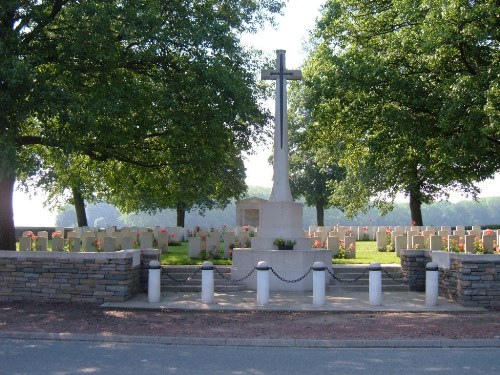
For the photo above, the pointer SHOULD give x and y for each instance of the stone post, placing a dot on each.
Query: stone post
(375, 284)
(207, 283)
(263, 283)
(154, 282)
(319, 283)
(431, 284)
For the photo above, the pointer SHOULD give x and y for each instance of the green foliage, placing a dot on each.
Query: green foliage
(161, 93)
(405, 97)
(283, 244)
(309, 176)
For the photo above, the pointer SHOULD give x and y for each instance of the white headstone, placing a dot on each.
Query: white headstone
(350, 247)
(109, 244)
(399, 243)
(58, 244)
(146, 240)
(42, 243)
(435, 242)
(194, 247)
(25, 244)
(162, 238)
(469, 243)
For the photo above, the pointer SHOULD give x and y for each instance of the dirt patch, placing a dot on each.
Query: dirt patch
(92, 319)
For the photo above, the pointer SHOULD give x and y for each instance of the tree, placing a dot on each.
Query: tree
(119, 81)
(309, 177)
(411, 91)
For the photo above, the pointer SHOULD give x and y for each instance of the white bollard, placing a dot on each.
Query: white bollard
(431, 284)
(319, 283)
(154, 282)
(207, 283)
(375, 284)
(262, 283)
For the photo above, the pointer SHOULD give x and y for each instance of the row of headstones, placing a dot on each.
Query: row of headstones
(428, 239)
(235, 231)
(370, 232)
(435, 242)
(210, 241)
(332, 237)
(90, 243)
(107, 241)
(333, 243)
(414, 238)
(360, 233)
(174, 233)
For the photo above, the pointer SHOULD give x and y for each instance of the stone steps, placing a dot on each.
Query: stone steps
(188, 279)
(349, 273)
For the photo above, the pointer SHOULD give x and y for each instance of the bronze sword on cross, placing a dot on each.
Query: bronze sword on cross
(281, 75)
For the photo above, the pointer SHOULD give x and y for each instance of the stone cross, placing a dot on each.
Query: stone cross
(281, 184)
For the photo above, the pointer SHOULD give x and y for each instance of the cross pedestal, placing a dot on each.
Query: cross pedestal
(280, 217)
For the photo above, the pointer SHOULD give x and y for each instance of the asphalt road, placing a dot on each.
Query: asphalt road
(61, 357)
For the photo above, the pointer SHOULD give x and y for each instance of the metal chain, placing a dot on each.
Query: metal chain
(237, 280)
(348, 281)
(399, 279)
(291, 281)
(182, 281)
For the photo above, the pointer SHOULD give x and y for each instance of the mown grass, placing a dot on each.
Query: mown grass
(178, 255)
(366, 253)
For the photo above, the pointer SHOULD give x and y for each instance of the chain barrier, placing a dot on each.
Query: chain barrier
(291, 281)
(182, 281)
(235, 280)
(397, 279)
(348, 281)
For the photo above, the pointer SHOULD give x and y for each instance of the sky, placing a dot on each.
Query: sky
(290, 34)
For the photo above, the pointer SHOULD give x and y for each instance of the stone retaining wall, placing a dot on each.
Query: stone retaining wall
(469, 279)
(472, 280)
(69, 277)
(413, 268)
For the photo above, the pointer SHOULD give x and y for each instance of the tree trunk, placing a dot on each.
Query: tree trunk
(7, 229)
(181, 214)
(320, 215)
(416, 209)
(81, 215)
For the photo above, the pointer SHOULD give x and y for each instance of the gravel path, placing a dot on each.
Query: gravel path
(92, 319)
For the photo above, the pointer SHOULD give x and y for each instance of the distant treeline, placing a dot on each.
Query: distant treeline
(485, 211)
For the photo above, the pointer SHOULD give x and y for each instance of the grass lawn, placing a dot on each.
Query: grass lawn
(366, 253)
(178, 255)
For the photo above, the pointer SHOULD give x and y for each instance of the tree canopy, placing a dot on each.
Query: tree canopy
(410, 91)
(311, 177)
(137, 85)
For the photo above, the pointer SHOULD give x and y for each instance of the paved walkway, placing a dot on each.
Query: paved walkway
(294, 301)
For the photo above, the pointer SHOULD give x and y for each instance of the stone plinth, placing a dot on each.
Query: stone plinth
(289, 264)
(281, 219)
